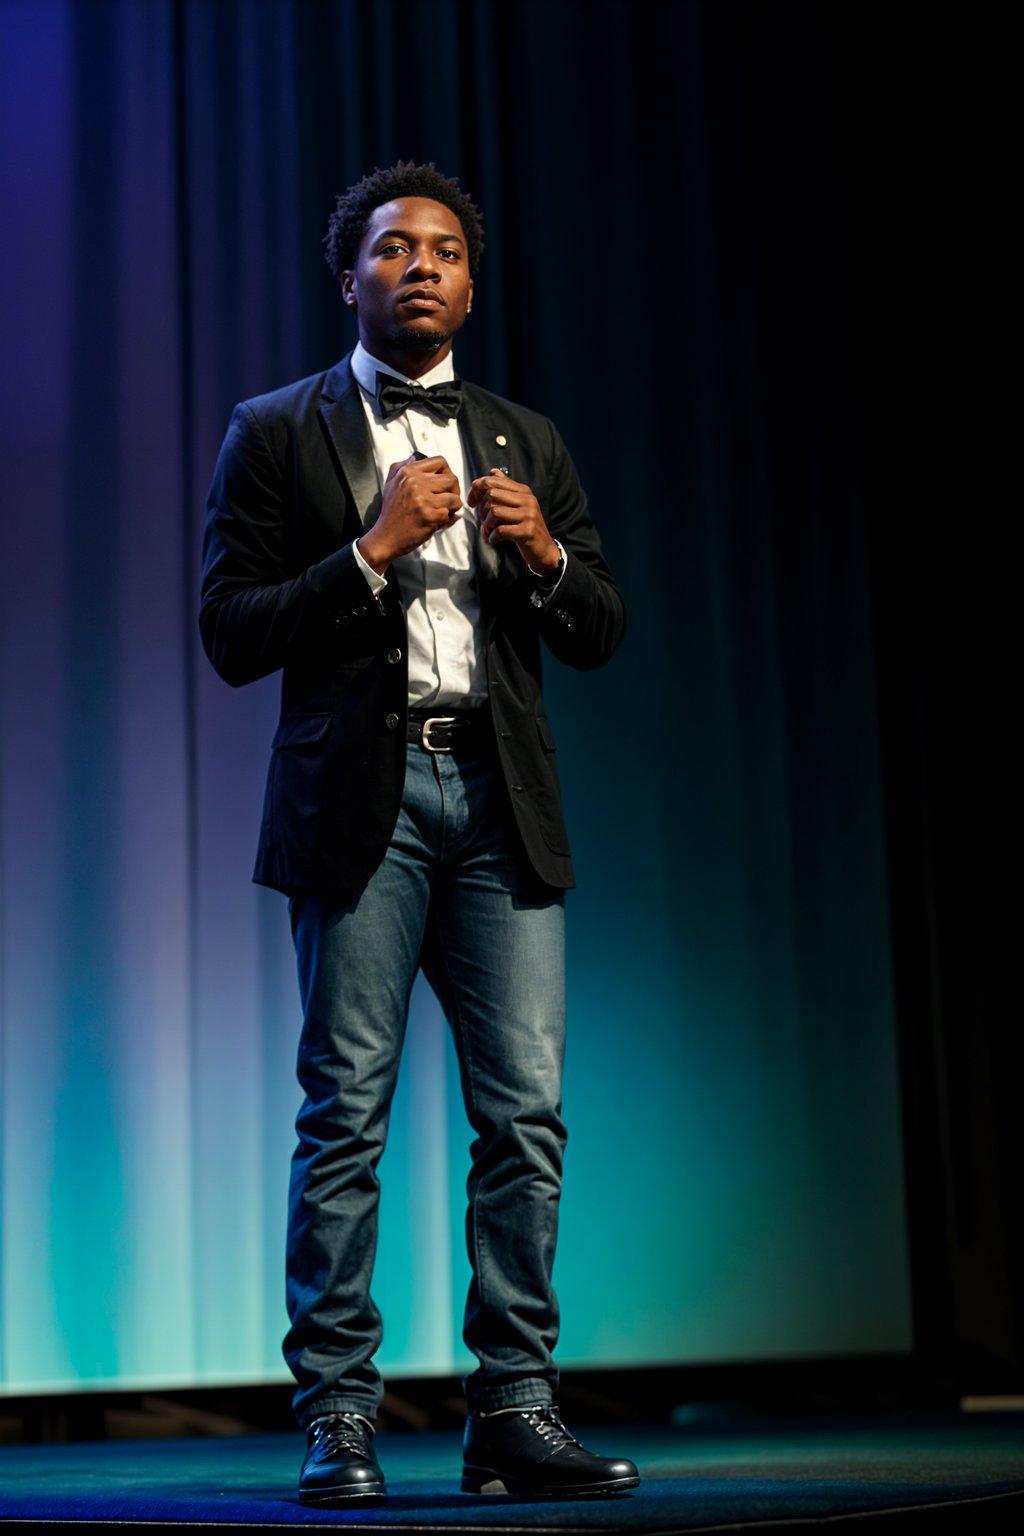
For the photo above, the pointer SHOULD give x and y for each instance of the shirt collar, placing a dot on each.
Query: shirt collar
(366, 367)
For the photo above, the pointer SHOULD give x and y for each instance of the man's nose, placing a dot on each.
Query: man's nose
(423, 262)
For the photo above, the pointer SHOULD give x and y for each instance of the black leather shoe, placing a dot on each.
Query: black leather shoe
(340, 1467)
(529, 1450)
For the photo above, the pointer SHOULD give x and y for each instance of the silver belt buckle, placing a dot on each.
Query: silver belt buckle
(425, 732)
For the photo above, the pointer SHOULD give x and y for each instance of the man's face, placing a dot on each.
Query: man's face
(410, 287)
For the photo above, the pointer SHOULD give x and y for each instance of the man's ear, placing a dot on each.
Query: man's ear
(348, 289)
(469, 305)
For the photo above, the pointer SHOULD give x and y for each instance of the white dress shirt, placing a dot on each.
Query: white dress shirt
(439, 581)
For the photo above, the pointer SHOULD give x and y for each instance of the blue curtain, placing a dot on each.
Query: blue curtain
(668, 274)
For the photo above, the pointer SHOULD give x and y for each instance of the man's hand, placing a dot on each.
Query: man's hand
(420, 497)
(508, 510)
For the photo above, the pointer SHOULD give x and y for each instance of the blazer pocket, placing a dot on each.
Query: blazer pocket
(301, 731)
(355, 663)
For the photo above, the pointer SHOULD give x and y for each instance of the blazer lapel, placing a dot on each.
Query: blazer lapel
(342, 411)
(487, 443)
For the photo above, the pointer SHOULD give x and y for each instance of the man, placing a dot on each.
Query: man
(398, 544)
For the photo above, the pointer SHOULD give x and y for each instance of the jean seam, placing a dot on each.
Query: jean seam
(467, 1056)
(439, 781)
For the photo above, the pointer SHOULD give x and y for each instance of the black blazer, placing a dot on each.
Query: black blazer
(282, 589)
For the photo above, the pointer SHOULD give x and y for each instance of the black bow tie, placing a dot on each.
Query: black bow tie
(440, 400)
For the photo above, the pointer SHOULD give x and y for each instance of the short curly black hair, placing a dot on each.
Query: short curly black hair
(350, 219)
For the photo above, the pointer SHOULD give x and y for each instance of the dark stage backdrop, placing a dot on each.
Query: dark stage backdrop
(667, 274)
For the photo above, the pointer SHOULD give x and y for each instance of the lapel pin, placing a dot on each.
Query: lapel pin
(501, 440)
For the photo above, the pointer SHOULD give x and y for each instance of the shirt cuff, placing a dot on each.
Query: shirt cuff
(374, 579)
(547, 586)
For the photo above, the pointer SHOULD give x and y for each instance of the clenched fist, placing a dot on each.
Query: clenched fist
(420, 496)
(508, 510)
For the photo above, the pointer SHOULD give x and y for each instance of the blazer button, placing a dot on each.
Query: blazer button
(394, 655)
(562, 615)
(391, 722)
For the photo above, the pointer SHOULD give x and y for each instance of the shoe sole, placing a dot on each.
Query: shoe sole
(485, 1480)
(339, 1498)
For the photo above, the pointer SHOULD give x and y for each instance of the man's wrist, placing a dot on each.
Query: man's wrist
(553, 572)
(553, 567)
(366, 563)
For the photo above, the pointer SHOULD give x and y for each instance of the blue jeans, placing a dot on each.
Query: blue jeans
(456, 896)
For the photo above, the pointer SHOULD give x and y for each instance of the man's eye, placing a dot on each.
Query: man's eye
(454, 255)
(390, 250)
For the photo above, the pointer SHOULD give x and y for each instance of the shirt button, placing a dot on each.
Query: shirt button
(394, 655)
(391, 722)
(439, 615)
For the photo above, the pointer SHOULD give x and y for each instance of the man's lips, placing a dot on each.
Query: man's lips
(422, 298)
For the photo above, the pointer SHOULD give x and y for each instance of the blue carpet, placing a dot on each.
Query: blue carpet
(694, 1477)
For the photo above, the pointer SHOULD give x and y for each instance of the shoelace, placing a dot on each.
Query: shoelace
(549, 1426)
(337, 1432)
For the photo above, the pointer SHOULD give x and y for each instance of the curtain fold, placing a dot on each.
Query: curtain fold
(666, 273)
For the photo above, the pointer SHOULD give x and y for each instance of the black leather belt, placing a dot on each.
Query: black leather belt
(437, 731)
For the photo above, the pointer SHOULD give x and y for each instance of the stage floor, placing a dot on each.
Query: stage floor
(923, 1472)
